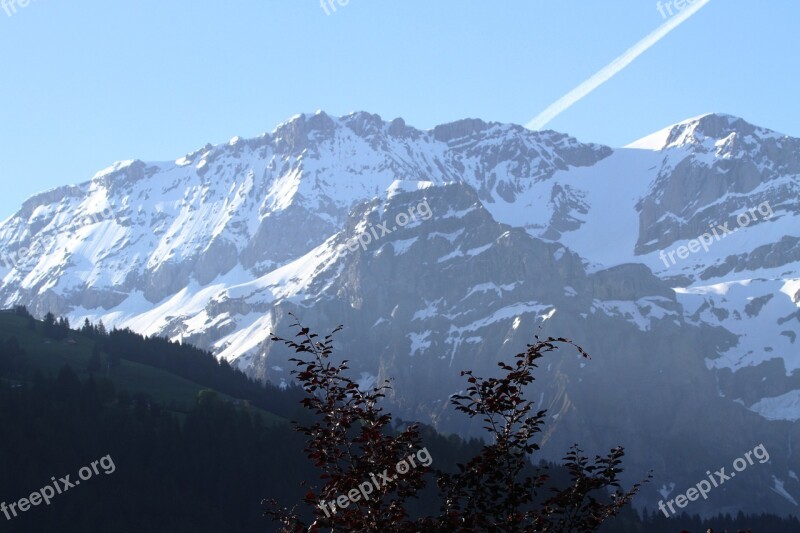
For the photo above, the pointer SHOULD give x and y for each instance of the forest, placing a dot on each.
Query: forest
(201, 466)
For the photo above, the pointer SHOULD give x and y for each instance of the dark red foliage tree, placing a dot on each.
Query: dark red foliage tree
(351, 441)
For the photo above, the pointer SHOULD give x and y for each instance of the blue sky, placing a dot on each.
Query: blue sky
(87, 83)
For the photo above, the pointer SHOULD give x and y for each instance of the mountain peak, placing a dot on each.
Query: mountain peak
(701, 129)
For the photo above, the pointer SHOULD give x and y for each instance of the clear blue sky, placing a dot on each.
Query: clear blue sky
(86, 83)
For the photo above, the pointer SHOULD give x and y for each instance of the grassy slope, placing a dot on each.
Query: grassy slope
(49, 356)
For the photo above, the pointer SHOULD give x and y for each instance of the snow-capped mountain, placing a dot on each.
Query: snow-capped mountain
(445, 249)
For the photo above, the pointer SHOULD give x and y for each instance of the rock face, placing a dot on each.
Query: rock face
(449, 249)
(729, 162)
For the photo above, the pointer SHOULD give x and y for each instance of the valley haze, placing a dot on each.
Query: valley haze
(530, 232)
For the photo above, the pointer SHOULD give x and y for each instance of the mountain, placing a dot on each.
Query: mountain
(673, 261)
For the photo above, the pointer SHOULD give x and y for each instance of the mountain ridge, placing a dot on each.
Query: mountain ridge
(529, 232)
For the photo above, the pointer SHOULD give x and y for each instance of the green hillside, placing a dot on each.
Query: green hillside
(49, 356)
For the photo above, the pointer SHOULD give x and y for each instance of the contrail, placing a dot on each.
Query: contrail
(607, 72)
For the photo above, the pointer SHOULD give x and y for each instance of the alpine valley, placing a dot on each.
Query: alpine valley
(695, 355)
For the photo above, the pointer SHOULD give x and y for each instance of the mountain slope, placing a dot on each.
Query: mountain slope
(445, 249)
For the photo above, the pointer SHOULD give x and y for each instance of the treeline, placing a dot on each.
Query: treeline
(182, 360)
(193, 364)
(207, 473)
(56, 329)
(646, 522)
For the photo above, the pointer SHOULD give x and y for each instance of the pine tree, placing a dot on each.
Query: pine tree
(50, 326)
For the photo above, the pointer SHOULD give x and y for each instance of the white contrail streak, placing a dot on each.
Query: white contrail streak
(607, 72)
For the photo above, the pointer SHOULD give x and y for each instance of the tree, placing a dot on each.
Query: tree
(492, 491)
(50, 326)
(63, 328)
(351, 441)
(55, 329)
